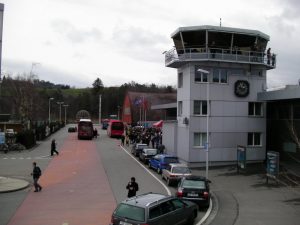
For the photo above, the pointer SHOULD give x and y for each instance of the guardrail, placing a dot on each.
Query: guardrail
(194, 54)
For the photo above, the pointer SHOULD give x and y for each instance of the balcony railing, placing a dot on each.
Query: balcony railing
(218, 54)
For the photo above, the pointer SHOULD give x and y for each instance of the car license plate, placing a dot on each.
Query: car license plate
(192, 195)
(124, 223)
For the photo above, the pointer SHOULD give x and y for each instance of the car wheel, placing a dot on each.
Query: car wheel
(158, 170)
(168, 182)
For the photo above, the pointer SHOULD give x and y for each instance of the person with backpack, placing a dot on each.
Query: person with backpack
(36, 173)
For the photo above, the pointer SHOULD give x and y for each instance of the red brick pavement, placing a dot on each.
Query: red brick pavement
(75, 191)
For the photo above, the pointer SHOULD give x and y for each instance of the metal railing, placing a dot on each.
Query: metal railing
(218, 54)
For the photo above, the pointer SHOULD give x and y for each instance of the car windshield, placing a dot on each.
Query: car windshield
(171, 160)
(181, 170)
(142, 146)
(193, 184)
(151, 152)
(130, 212)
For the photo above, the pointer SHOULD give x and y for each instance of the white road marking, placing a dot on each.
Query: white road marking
(167, 189)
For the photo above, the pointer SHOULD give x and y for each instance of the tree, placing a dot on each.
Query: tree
(97, 86)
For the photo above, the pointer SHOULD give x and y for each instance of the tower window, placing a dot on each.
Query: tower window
(200, 107)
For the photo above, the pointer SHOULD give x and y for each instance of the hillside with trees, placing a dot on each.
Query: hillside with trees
(27, 98)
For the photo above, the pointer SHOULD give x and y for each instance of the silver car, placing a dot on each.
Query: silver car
(174, 172)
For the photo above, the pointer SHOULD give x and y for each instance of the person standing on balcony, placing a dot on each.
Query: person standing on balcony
(273, 59)
(269, 55)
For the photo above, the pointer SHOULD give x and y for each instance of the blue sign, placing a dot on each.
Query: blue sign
(2, 138)
(241, 157)
(272, 164)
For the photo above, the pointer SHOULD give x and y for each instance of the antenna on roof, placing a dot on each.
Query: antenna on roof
(220, 22)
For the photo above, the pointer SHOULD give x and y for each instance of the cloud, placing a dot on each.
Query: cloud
(139, 43)
(44, 72)
(75, 35)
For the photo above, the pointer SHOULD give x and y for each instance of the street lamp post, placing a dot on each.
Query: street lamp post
(119, 112)
(207, 120)
(50, 99)
(65, 106)
(60, 103)
(32, 67)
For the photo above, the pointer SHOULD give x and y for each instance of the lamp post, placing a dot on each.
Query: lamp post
(65, 106)
(207, 120)
(50, 99)
(60, 103)
(32, 67)
(119, 112)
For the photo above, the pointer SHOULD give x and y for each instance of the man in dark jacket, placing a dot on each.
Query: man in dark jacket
(36, 173)
(53, 147)
(132, 187)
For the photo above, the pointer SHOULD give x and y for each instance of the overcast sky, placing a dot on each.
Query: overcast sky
(76, 41)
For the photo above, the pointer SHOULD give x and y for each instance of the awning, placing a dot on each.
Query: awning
(158, 124)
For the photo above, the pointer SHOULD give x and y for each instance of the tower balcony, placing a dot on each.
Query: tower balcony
(175, 58)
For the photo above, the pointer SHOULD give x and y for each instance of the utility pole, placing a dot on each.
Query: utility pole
(100, 102)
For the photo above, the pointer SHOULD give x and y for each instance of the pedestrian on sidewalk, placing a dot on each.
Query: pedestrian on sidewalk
(132, 187)
(36, 173)
(122, 139)
(53, 148)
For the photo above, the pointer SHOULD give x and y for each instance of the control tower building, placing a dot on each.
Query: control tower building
(220, 71)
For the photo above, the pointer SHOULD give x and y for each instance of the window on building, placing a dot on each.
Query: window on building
(199, 76)
(200, 107)
(199, 139)
(180, 80)
(256, 73)
(220, 76)
(254, 139)
(180, 108)
(255, 109)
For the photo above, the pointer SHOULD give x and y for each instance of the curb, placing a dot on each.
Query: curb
(211, 212)
(11, 185)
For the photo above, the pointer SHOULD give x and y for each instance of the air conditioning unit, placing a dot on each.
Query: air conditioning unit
(185, 121)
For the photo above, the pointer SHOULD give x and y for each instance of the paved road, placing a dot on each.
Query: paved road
(86, 176)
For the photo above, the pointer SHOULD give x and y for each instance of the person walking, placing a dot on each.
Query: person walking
(53, 148)
(36, 173)
(132, 187)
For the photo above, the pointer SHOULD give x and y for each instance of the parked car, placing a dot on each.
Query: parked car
(154, 209)
(174, 172)
(194, 188)
(137, 149)
(72, 129)
(147, 153)
(160, 161)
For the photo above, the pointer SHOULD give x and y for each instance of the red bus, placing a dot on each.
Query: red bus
(85, 129)
(115, 128)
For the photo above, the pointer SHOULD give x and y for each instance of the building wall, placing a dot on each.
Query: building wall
(169, 130)
(1, 31)
(229, 122)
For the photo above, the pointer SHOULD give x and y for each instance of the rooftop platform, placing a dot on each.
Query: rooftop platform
(213, 43)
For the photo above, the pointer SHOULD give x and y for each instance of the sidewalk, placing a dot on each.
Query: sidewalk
(75, 190)
(10, 184)
(245, 198)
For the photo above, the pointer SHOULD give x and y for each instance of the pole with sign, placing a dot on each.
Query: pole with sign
(272, 165)
(241, 157)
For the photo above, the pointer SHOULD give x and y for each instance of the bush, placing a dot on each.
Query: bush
(26, 138)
